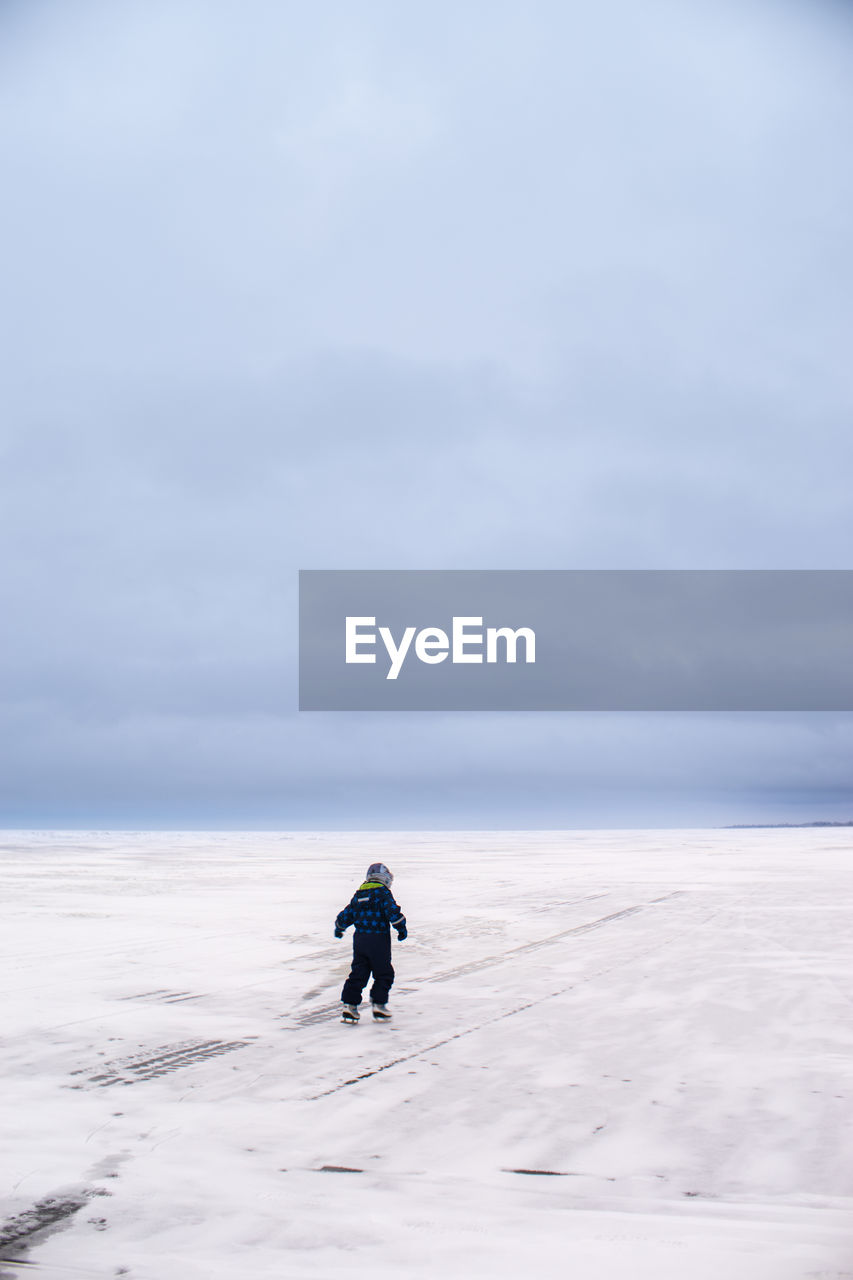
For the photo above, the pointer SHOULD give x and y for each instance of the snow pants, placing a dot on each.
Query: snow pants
(371, 953)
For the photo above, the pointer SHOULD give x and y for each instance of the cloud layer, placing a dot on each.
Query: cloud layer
(467, 286)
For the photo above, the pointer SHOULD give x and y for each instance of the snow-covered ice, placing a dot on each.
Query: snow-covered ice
(614, 1054)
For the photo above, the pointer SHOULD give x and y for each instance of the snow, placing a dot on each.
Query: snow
(660, 1022)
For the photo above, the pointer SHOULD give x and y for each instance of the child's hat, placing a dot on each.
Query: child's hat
(378, 871)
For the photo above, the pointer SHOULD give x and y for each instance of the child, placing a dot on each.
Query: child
(371, 910)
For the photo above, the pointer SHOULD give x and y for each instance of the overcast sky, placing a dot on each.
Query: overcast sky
(382, 285)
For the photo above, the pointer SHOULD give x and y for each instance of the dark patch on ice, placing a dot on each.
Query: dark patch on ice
(314, 992)
(544, 1173)
(558, 1173)
(164, 996)
(34, 1225)
(44, 1213)
(145, 995)
(160, 1062)
(324, 1013)
(108, 1167)
(571, 902)
(338, 1168)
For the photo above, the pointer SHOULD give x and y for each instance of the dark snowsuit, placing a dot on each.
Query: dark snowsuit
(371, 910)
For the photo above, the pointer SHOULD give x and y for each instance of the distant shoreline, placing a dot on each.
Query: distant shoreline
(756, 826)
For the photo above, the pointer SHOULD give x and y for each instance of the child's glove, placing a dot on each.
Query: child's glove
(402, 932)
(339, 933)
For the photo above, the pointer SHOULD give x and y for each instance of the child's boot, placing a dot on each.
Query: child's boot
(349, 1013)
(381, 1012)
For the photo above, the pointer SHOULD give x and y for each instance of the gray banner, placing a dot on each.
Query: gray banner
(576, 640)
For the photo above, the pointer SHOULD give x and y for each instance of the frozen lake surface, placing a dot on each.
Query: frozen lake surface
(615, 1056)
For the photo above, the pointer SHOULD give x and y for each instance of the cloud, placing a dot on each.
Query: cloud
(473, 286)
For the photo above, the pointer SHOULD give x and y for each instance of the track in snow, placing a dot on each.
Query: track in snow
(160, 1062)
(326, 1012)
